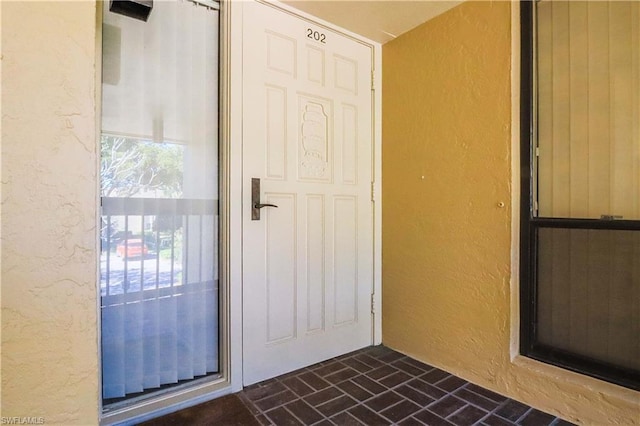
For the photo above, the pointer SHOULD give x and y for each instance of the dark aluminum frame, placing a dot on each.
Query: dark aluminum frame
(530, 224)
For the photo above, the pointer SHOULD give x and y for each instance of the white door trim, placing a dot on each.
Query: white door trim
(236, 172)
(234, 164)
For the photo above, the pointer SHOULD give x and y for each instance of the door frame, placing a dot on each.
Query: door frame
(184, 397)
(235, 174)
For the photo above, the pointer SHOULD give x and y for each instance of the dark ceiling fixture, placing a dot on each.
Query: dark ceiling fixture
(137, 9)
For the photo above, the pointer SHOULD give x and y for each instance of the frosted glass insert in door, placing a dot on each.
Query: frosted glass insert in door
(159, 199)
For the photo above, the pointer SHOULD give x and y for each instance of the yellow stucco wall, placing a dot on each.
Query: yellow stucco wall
(447, 150)
(49, 343)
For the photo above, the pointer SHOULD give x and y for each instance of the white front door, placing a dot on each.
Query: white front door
(307, 136)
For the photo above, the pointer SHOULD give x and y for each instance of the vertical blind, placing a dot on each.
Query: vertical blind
(589, 293)
(588, 133)
(588, 68)
(159, 304)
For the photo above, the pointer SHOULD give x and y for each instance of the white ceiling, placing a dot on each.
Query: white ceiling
(378, 20)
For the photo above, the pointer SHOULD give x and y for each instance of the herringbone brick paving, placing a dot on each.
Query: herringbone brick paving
(378, 386)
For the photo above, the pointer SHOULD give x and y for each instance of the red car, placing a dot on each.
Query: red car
(132, 248)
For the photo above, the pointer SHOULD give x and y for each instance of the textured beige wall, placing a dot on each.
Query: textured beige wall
(446, 242)
(49, 344)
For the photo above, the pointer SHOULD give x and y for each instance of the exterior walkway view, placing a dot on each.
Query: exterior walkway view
(378, 386)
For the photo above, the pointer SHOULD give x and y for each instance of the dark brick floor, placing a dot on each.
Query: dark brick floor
(225, 411)
(378, 386)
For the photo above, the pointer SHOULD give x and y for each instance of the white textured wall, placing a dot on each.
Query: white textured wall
(49, 342)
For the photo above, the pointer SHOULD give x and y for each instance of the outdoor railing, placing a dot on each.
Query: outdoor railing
(179, 237)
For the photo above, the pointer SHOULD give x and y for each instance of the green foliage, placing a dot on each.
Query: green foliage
(129, 167)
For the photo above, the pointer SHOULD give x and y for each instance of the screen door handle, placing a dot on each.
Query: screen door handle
(256, 205)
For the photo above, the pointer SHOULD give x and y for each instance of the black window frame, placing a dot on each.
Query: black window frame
(530, 224)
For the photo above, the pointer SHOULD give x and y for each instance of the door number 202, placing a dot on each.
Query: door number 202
(316, 35)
